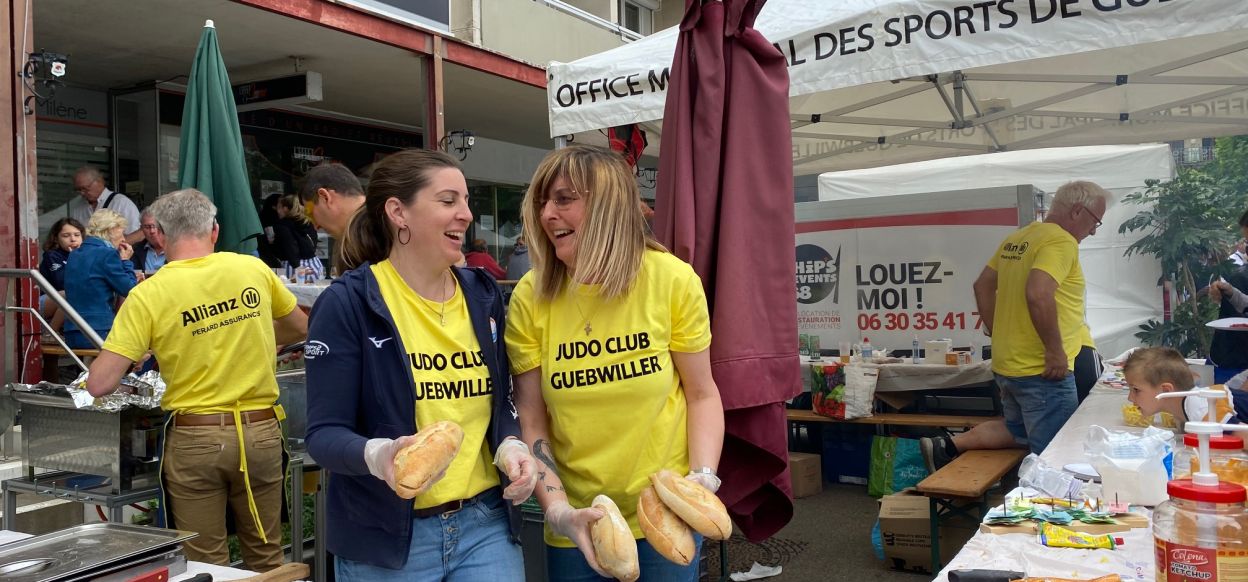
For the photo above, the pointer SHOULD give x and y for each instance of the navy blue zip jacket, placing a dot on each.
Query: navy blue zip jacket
(359, 383)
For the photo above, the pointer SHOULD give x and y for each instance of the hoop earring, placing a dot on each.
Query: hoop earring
(402, 241)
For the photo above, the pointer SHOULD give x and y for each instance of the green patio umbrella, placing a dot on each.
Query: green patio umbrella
(210, 157)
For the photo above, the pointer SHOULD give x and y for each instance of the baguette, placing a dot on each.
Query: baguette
(695, 504)
(423, 462)
(613, 542)
(667, 534)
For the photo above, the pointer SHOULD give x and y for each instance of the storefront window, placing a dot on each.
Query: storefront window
(496, 216)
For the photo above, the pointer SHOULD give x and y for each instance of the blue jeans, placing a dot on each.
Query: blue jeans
(568, 565)
(1036, 408)
(470, 545)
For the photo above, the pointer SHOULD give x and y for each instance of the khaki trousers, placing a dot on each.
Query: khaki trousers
(201, 471)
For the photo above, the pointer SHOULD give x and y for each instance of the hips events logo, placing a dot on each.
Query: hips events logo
(818, 274)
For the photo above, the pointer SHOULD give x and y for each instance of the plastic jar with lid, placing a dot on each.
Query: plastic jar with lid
(1201, 533)
(1227, 457)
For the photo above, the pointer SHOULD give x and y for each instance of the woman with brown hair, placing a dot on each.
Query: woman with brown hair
(609, 341)
(401, 341)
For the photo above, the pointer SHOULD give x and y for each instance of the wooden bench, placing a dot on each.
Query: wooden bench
(962, 486)
(899, 419)
(56, 350)
(51, 359)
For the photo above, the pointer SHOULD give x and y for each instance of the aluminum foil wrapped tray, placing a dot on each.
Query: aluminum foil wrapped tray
(142, 391)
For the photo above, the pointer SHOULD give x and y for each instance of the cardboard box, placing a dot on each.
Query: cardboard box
(906, 534)
(806, 474)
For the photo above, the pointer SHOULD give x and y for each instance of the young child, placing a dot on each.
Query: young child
(1152, 371)
(64, 236)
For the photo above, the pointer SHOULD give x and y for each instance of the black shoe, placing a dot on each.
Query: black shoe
(935, 452)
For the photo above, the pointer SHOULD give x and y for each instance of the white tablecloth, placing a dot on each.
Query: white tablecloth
(307, 294)
(904, 377)
(1103, 407)
(1022, 553)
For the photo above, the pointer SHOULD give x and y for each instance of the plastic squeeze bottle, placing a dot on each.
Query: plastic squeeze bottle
(914, 350)
(866, 348)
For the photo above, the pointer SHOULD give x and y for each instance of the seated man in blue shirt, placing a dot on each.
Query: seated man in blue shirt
(149, 255)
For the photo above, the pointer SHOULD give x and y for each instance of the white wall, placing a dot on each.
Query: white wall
(501, 162)
(533, 32)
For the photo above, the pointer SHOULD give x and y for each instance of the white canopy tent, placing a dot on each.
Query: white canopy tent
(1122, 293)
(877, 82)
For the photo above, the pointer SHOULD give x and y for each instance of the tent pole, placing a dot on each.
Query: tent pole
(992, 135)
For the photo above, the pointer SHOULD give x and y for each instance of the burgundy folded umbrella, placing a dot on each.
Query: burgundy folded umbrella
(725, 205)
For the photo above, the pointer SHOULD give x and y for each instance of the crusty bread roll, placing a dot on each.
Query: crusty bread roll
(667, 533)
(695, 504)
(420, 464)
(613, 542)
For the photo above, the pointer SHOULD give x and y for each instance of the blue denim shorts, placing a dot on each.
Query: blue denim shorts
(1036, 408)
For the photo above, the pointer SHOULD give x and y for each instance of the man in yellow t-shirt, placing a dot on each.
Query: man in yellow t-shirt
(213, 321)
(1031, 298)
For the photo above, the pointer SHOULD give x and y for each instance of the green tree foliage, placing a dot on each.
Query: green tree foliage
(1190, 225)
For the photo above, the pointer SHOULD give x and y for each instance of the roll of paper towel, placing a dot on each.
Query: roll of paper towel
(934, 351)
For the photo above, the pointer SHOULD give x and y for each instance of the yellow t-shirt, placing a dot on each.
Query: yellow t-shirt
(451, 379)
(616, 406)
(1016, 348)
(210, 322)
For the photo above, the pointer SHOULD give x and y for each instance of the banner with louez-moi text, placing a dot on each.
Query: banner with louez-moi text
(893, 283)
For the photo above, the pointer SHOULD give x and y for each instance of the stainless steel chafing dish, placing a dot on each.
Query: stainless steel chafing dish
(91, 551)
(58, 435)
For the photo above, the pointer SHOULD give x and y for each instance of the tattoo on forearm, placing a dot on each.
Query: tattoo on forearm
(550, 488)
(541, 476)
(541, 450)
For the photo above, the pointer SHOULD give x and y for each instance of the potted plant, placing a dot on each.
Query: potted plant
(1188, 224)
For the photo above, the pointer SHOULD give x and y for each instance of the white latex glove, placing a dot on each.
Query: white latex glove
(379, 456)
(514, 460)
(707, 480)
(574, 525)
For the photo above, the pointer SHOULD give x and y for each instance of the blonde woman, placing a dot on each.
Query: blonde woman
(294, 236)
(97, 274)
(609, 341)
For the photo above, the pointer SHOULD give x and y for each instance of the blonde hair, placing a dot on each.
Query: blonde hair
(613, 237)
(103, 221)
(1159, 365)
(294, 208)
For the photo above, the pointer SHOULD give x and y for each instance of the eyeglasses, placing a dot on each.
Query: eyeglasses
(562, 199)
(151, 227)
(307, 211)
(1094, 216)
